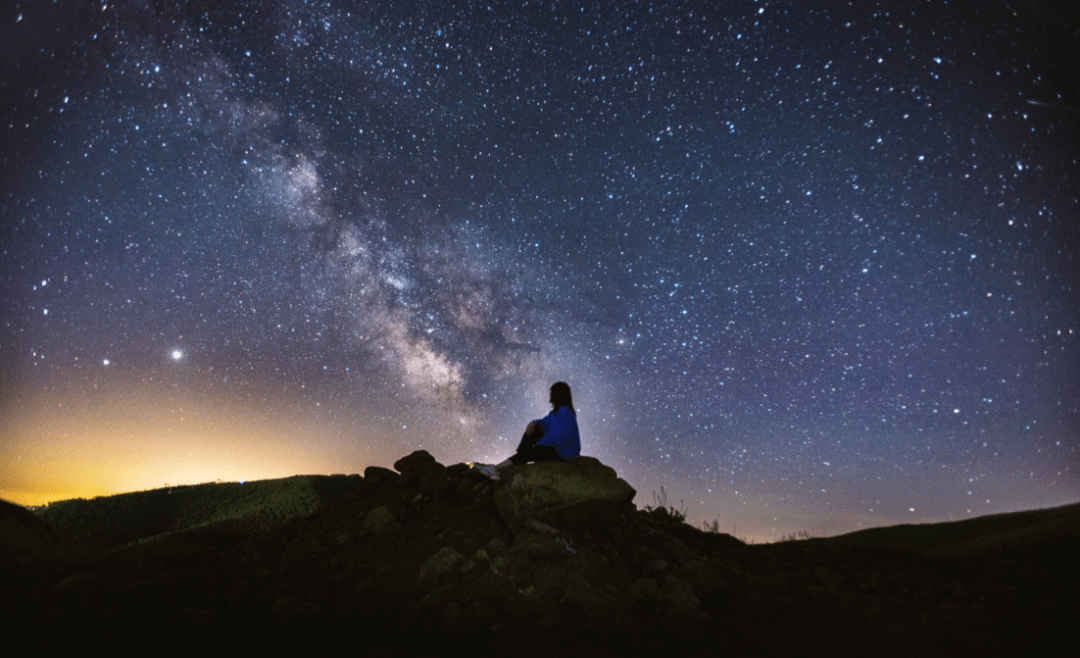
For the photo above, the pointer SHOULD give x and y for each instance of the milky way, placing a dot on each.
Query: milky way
(805, 266)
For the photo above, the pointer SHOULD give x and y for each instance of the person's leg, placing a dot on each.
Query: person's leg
(536, 454)
(533, 433)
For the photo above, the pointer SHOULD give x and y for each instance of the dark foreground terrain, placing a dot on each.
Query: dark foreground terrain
(392, 565)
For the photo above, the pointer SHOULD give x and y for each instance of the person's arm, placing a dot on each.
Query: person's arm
(557, 427)
(563, 434)
(545, 422)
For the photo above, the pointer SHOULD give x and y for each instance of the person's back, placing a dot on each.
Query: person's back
(561, 432)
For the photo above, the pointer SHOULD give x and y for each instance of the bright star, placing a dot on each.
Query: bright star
(177, 355)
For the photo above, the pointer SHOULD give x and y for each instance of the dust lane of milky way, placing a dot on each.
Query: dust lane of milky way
(805, 267)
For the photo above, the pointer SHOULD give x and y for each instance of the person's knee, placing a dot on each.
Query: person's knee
(534, 432)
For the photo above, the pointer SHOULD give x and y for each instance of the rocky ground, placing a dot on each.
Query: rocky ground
(416, 564)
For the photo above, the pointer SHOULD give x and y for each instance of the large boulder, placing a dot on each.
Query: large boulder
(578, 495)
(420, 469)
(413, 462)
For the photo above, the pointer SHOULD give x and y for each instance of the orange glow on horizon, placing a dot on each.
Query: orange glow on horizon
(62, 448)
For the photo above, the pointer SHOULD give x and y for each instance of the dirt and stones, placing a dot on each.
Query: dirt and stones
(420, 559)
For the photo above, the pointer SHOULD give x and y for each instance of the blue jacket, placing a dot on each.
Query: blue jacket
(560, 431)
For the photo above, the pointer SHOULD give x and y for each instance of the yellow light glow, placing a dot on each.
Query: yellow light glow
(125, 440)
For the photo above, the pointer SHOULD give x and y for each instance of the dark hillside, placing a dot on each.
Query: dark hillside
(398, 564)
(1033, 530)
(251, 507)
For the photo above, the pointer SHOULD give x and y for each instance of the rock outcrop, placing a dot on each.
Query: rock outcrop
(582, 494)
(430, 475)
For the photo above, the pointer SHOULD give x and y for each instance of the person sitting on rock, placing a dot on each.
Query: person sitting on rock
(553, 438)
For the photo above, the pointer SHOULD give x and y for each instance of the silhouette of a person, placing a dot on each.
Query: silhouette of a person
(553, 438)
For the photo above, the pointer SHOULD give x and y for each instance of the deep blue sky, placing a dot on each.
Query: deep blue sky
(805, 266)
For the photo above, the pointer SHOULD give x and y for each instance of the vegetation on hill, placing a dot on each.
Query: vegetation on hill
(229, 507)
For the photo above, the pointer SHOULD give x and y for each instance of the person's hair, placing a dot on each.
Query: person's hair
(560, 397)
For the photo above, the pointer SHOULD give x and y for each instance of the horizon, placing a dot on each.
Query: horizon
(640, 501)
(658, 501)
(806, 268)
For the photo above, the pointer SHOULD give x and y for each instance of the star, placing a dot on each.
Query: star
(811, 235)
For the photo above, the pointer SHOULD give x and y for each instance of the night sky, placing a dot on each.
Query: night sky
(806, 266)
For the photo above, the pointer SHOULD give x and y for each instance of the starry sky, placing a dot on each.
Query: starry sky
(806, 266)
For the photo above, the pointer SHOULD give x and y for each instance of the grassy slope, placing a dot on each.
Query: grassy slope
(112, 521)
(978, 536)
